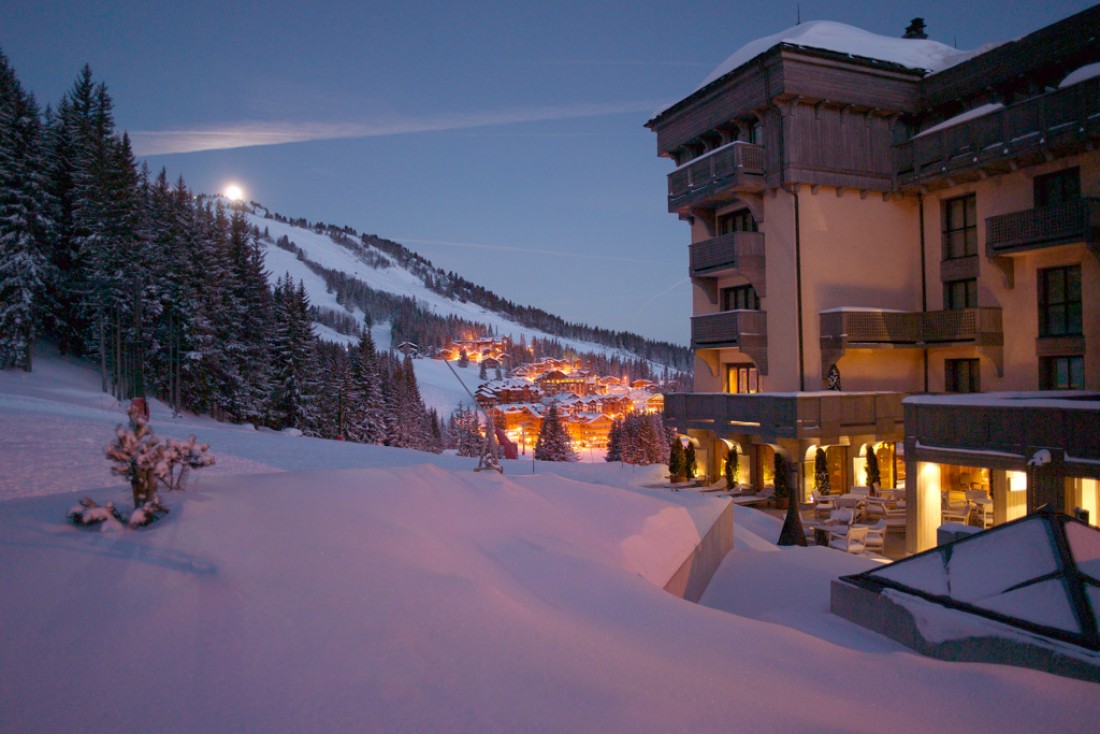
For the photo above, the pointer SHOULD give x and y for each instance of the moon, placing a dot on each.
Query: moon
(233, 192)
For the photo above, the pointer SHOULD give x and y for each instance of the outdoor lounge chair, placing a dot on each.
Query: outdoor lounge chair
(822, 505)
(853, 541)
(981, 507)
(876, 537)
(954, 511)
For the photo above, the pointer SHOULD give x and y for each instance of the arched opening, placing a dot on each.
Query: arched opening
(741, 475)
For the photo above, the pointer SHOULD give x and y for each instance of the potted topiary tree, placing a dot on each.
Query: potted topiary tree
(731, 469)
(874, 477)
(691, 465)
(821, 472)
(677, 462)
(782, 487)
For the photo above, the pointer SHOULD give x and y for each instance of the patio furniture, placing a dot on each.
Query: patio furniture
(953, 511)
(864, 491)
(876, 537)
(852, 541)
(851, 501)
(877, 506)
(981, 506)
(822, 505)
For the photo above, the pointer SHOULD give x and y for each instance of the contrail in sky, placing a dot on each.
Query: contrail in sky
(248, 134)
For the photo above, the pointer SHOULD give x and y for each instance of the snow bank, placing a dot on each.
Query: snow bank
(399, 595)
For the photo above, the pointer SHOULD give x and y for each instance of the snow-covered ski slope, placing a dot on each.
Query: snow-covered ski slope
(321, 249)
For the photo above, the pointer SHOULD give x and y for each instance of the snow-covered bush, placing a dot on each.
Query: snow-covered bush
(138, 454)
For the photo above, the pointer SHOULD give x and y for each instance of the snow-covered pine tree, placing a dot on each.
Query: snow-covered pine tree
(629, 440)
(553, 442)
(615, 441)
(251, 304)
(24, 268)
(292, 348)
(465, 435)
(367, 412)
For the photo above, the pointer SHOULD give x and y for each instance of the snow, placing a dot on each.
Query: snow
(1089, 71)
(308, 585)
(923, 55)
(321, 249)
(438, 387)
(979, 111)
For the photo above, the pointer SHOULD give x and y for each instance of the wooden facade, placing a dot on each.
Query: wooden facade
(852, 266)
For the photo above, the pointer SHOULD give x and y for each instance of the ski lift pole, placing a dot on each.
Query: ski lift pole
(489, 458)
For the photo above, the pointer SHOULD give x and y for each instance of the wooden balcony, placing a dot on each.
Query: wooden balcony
(745, 330)
(1033, 229)
(819, 415)
(716, 177)
(1056, 123)
(736, 253)
(846, 329)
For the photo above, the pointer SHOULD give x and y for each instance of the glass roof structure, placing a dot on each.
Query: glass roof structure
(1040, 573)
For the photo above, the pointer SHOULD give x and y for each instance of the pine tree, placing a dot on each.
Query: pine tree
(874, 476)
(676, 460)
(294, 396)
(614, 441)
(23, 264)
(821, 471)
(366, 421)
(465, 433)
(690, 466)
(553, 443)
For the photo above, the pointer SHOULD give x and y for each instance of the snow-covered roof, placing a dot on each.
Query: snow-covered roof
(922, 54)
(918, 54)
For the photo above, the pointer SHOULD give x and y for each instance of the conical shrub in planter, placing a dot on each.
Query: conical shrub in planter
(677, 462)
(782, 487)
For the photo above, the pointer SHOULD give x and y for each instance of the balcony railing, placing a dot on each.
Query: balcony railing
(1066, 117)
(719, 174)
(916, 328)
(727, 329)
(1072, 221)
(807, 415)
(862, 329)
(727, 252)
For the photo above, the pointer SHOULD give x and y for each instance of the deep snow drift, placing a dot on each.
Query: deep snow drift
(353, 588)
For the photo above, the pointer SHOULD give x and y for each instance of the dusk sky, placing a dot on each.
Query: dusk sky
(501, 140)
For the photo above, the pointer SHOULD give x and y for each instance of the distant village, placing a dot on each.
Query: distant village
(518, 397)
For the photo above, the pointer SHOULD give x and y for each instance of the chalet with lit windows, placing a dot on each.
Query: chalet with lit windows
(875, 218)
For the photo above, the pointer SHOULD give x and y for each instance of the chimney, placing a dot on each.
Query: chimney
(915, 29)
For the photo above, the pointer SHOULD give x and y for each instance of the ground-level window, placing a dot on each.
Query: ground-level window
(960, 294)
(742, 379)
(740, 298)
(1060, 301)
(962, 375)
(1062, 373)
